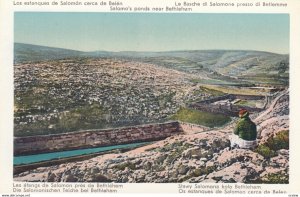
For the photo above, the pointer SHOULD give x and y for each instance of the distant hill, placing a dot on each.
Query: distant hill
(225, 62)
(28, 52)
(215, 63)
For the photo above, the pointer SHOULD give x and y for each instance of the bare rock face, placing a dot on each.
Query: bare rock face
(228, 157)
(236, 166)
(275, 118)
(231, 174)
(69, 178)
(183, 169)
(202, 157)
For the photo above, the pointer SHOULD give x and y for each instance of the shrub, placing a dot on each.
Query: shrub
(172, 157)
(273, 144)
(273, 179)
(280, 141)
(265, 151)
(276, 179)
(124, 165)
(199, 172)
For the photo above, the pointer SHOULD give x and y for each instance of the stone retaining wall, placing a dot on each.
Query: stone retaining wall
(189, 128)
(94, 138)
(225, 110)
(230, 110)
(232, 97)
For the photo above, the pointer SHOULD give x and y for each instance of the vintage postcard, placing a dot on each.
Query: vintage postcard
(166, 97)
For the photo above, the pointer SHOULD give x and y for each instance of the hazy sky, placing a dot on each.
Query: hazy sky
(153, 32)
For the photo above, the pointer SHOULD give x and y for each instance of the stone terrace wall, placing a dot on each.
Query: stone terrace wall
(248, 97)
(225, 110)
(232, 97)
(218, 98)
(94, 138)
(193, 128)
(206, 105)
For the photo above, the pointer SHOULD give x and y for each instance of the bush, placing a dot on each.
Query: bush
(277, 179)
(124, 165)
(172, 157)
(274, 179)
(265, 151)
(280, 141)
(199, 172)
(273, 144)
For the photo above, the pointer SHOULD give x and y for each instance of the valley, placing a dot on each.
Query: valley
(178, 107)
(59, 90)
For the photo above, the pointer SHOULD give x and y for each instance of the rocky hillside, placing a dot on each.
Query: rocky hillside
(193, 157)
(88, 93)
(224, 65)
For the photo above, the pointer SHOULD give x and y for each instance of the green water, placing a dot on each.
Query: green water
(63, 154)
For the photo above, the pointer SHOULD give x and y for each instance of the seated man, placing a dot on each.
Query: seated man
(245, 132)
